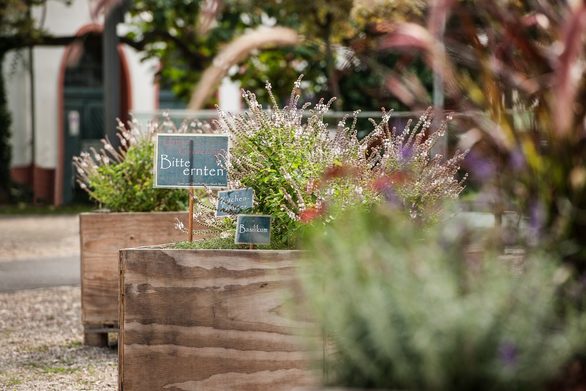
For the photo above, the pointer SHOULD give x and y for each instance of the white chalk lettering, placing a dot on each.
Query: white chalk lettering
(167, 163)
(205, 171)
(164, 159)
(254, 228)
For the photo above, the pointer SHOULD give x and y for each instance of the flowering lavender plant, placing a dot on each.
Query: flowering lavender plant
(297, 165)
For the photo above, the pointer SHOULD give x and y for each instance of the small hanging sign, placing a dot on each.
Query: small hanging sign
(232, 202)
(190, 160)
(253, 229)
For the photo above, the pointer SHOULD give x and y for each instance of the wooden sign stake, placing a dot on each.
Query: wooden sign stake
(190, 221)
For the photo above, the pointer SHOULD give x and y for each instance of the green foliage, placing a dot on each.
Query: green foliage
(270, 183)
(339, 56)
(18, 25)
(216, 243)
(404, 306)
(297, 165)
(282, 156)
(183, 37)
(127, 186)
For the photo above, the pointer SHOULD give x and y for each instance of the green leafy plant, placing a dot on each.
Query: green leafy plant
(121, 178)
(405, 306)
(296, 164)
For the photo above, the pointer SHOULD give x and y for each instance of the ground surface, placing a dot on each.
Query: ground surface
(34, 237)
(41, 344)
(40, 329)
(38, 251)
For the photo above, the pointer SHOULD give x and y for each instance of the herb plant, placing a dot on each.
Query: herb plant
(296, 164)
(404, 306)
(121, 178)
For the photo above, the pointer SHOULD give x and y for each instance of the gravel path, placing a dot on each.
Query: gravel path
(41, 344)
(33, 237)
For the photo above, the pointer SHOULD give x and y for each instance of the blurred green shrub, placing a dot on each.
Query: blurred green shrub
(127, 186)
(404, 306)
(121, 178)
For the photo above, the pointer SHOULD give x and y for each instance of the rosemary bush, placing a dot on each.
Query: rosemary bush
(403, 307)
(296, 164)
(121, 178)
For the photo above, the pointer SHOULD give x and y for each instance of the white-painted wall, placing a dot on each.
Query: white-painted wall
(59, 20)
(229, 96)
(62, 20)
(142, 83)
(17, 84)
(47, 61)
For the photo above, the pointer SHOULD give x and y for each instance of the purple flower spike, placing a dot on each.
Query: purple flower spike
(480, 167)
(536, 218)
(385, 187)
(517, 160)
(406, 153)
(508, 353)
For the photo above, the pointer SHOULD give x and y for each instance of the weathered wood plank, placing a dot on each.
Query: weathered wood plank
(102, 235)
(209, 320)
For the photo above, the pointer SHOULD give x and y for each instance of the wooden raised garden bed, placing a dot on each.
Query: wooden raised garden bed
(209, 320)
(102, 236)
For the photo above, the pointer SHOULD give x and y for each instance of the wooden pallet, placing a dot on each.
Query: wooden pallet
(98, 335)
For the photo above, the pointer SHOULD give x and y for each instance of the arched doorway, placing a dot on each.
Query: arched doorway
(82, 110)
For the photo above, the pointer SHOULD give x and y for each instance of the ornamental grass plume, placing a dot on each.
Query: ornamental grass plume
(297, 165)
(519, 67)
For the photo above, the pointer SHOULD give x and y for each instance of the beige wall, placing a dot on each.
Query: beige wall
(17, 84)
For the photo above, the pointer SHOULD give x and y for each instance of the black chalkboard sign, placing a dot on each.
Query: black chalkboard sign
(253, 229)
(190, 160)
(231, 202)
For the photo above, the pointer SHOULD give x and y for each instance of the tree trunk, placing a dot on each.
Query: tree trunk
(5, 151)
(331, 63)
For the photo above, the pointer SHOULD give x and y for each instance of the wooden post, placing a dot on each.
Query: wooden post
(111, 69)
(190, 221)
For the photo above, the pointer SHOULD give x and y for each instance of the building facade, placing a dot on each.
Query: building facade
(55, 96)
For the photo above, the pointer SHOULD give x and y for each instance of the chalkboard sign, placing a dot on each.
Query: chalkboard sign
(190, 160)
(253, 229)
(231, 202)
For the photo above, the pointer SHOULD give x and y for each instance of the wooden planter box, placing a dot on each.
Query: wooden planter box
(208, 320)
(102, 236)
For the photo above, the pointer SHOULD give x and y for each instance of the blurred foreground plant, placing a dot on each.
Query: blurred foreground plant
(404, 306)
(523, 65)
